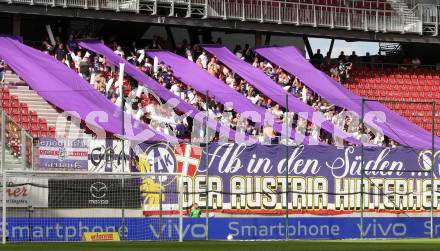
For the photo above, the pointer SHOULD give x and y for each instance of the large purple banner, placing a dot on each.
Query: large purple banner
(394, 126)
(266, 179)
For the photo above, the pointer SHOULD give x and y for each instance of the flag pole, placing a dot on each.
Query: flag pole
(431, 217)
(121, 94)
(362, 170)
(207, 165)
(287, 166)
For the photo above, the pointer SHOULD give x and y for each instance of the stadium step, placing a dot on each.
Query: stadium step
(64, 127)
(410, 18)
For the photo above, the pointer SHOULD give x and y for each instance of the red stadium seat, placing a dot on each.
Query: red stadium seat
(35, 130)
(25, 126)
(34, 117)
(6, 105)
(14, 101)
(24, 107)
(43, 127)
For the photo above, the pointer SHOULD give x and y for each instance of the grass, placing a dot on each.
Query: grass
(339, 245)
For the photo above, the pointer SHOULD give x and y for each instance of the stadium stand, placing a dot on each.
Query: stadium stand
(26, 110)
(86, 64)
(160, 88)
(164, 122)
(164, 76)
(204, 82)
(326, 88)
(404, 84)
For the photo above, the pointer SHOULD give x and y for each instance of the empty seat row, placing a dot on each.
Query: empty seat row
(401, 84)
(20, 114)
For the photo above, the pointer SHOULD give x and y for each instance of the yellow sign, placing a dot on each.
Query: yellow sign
(100, 236)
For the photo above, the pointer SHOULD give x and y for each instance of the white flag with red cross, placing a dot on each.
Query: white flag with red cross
(188, 158)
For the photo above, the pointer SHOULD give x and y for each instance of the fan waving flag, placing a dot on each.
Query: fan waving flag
(188, 159)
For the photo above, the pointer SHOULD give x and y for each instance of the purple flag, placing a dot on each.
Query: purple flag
(264, 84)
(65, 89)
(395, 126)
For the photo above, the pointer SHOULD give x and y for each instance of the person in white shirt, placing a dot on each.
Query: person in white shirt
(238, 52)
(268, 65)
(301, 126)
(229, 79)
(378, 139)
(254, 98)
(416, 62)
(141, 111)
(315, 131)
(255, 63)
(203, 60)
(175, 88)
(189, 55)
(275, 110)
(192, 98)
(148, 66)
(119, 51)
(76, 59)
(304, 94)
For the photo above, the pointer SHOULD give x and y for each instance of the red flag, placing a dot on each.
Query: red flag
(188, 159)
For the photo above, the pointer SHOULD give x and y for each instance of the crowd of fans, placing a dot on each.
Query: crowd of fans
(145, 106)
(139, 101)
(338, 116)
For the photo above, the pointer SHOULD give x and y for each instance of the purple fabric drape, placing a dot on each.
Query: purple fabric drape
(264, 84)
(65, 89)
(395, 126)
(199, 79)
(162, 92)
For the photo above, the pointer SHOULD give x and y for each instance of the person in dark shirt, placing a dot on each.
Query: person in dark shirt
(342, 72)
(353, 57)
(168, 78)
(342, 57)
(248, 53)
(317, 58)
(60, 53)
(180, 130)
(367, 60)
(84, 68)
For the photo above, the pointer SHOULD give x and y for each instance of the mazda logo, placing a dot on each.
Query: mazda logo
(98, 190)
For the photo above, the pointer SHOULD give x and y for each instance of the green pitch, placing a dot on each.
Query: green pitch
(370, 245)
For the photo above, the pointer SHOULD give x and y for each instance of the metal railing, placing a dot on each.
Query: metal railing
(18, 141)
(377, 18)
(312, 15)
(379, 65)
(116, 5)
